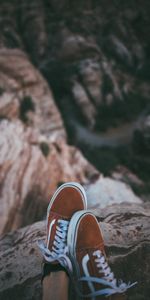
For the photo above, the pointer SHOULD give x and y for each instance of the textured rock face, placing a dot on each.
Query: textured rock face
(126, 230)
(99, 56)
(94, 73)
(23, 167)
(26, 95)
(95, 86)
(34, 155)
(26, 171)
(30, 170)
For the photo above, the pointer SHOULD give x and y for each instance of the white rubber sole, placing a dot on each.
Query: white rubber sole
(75, 185)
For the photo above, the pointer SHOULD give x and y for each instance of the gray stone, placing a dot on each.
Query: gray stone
(106, 191)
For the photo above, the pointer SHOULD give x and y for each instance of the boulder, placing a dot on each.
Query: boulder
(126, 231)
(106, 191)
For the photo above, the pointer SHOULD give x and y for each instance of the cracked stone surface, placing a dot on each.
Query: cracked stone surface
(126, 231)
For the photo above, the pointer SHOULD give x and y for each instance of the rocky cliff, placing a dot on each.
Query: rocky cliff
(95, 57)
(74, 106)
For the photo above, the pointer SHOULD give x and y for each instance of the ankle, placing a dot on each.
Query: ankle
(52, 268)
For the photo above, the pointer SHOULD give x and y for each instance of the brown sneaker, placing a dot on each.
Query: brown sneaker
(90, 268)
(68, 199)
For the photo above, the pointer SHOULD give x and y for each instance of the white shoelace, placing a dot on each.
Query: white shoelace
(59, 248)
(108, 280)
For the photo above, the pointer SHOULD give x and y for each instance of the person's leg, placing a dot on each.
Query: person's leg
(68, 199)
(55, 286)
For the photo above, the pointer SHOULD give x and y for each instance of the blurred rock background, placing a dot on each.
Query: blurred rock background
(75, 106)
